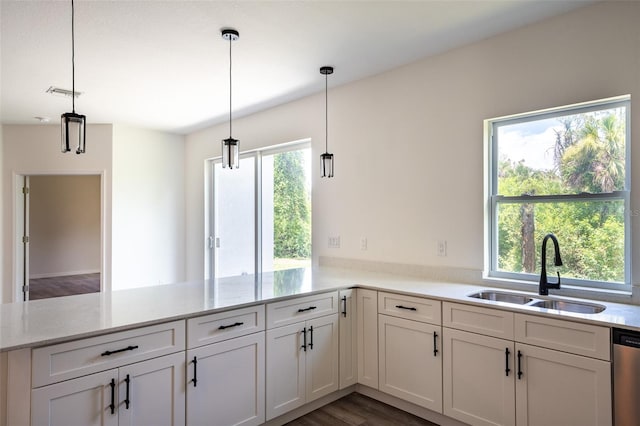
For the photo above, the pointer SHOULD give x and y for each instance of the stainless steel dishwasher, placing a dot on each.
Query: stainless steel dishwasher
(626, 377)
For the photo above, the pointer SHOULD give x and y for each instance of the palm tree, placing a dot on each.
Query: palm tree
(595, 163)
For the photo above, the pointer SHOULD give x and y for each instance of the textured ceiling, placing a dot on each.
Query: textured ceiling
(163, 65)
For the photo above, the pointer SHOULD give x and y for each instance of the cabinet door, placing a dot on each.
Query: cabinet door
(84, 401)
(411, 361)
(155, 394)
(230, 383)
(562, 389)
(348, 343)
(478, 378)
(322, 357)
(367, 335)
(286, 365)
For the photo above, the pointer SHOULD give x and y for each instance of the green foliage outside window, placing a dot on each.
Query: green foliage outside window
(589, 157)
(292, 207)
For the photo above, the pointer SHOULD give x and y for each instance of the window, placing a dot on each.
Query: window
(261, 212)
(563, 171)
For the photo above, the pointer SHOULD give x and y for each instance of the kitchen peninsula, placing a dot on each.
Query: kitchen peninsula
(258, 312)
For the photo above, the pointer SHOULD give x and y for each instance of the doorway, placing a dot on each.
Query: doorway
(61, 241)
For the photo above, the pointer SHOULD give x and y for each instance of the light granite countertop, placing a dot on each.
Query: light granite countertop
(47, 321)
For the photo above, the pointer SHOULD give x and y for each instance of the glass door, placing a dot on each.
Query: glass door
(234, 210)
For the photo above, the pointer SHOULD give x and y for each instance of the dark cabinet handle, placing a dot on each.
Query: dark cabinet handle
(506, 361)
(435, 343)
(405, 307)
(311, 343)
(195, 372)
(127, 401)
(128, 348)
(304, 336)
(344, 306)
(310, 308)
(519, 365)
(222, 327)
(113, 396)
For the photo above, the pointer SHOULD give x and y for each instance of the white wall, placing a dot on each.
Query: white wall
(34, 150)
(4, 292)
(148, 208)
(64, 225)
(408, 143)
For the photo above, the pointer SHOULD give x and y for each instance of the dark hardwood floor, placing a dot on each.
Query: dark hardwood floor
(42, 288)
(356, 409)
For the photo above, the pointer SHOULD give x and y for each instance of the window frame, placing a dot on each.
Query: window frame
(210, 224)
(493, 199)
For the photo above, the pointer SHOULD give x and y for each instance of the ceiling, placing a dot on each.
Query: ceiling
(163, 64)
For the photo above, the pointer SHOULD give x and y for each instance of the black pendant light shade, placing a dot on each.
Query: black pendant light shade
(73, 125)
(73, 129)
(230, 146)
(326, 159)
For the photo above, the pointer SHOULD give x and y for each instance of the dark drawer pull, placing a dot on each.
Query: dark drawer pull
(128, 348)
(223, 327)
(195, 372)
(507, 370)
(310, 308)
(405, 307)
(127, 400)
(112, 406)
(519, 365)
(344, 309)
(435, 343)
(304, 336)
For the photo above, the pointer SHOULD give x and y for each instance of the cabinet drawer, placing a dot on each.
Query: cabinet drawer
(409, 307)
(225, 325)
(487, 321)
(73, 359)
(581, 339)
(301, 309)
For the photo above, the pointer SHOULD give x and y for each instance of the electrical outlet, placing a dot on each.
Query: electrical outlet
(334, 241)
(442, 248)
(363, 243)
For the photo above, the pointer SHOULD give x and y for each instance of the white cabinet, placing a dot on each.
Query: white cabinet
(226, 368)
(348, 344)
(409, 340)
(145, 393)
(84, 401)
(367, 336)
(562, 389)
(152, 392)
(411, 361)
(302, 357)
(225, 382)
(509, 381)
(122, 378)
(478, 378)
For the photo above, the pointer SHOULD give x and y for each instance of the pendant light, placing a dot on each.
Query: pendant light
(326, 159)
(73, 125)
(230, 146)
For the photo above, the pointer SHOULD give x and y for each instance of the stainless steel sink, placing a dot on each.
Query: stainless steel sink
(576, 307)
(526, 300)
(498, 296)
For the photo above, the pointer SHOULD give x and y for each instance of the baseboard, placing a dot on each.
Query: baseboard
(63, 274)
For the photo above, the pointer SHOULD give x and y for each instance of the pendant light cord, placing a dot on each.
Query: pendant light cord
(326, 113)
(230, 87)
(73, 63)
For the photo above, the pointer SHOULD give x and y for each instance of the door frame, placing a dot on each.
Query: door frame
(17, 210)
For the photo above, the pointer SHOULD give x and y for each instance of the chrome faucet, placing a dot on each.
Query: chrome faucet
(544, 287)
